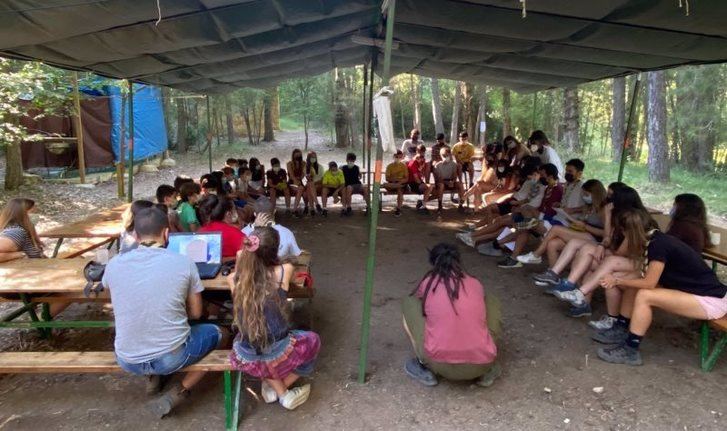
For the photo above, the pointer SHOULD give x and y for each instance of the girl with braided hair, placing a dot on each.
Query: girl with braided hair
(450, 324)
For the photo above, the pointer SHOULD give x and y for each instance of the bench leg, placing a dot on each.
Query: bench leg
(58, 247)
(232, 399)
(708, 360)
(44, 333)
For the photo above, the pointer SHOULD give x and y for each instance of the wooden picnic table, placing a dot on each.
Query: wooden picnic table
(102, 228)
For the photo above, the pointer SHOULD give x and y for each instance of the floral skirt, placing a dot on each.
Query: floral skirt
(294, 354)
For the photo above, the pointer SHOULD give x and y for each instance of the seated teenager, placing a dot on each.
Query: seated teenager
(230, 182)
(265, 347)
(508, 182)
(167, 195)
(278, 182)
(242, 165)
(417, 183)
(689, 221)
(516, 151)
(409, 146)
(155, 292)
(397, 176)
(436, 155)
(296, 174)
(18, 238)
(181, 179)
(515, 183)
(451, 324)
(427, 169)
(352, 176)
(233, 164)
(288, 249)
(188, 197)
(447, 174)
(314, 181)
(128, 240)
(463, 152)
(487, 182)
(218, 214)
(334, 184)
(256, 185)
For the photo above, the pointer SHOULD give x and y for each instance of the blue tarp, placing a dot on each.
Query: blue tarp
(150, 133)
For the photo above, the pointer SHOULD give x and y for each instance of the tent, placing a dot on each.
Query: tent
(101, 119)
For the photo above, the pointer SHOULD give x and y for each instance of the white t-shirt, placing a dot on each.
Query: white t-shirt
(288, 247)
(409, 148)
(550, 156)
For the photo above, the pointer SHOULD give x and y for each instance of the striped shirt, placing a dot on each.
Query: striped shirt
(22, 239)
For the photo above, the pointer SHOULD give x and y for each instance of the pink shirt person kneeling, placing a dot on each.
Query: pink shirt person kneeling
(450, 324)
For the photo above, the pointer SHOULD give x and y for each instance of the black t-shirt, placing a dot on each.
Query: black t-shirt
(351, 175)
(684, 268)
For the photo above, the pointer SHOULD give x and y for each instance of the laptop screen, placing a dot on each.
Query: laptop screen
(200, 247)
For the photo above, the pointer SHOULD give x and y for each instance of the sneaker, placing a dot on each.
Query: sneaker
(268, 393)
(455, 200)
(163, 405)
(460, 208)
(305, 211)
(295, 397)
(580, 311)
(606, 322)
(397, 213)
(348, 210)
(471, 226)
(621, 354)
(153, 384)
(318, 208)
(297, 214)
(424, 210)
(488, 250)
(530, 259)
(343, 213)
(614, 335)
(509, 262)
(575, 297)
(312, 212)
(547, 278)
(487, 379)
(526, 224)
(417, 371)
(336, 200)
(324, 213)
(466, 238)
(366, 211)
(420, 204)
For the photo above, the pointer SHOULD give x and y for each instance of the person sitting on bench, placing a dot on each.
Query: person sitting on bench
(689, 221)
(18, 238)
(278, 182)
(333, 185)
(352, 175)
(451, 324)
(463, 152)
(256, 185)
(397, 175)
(127, 239)
(417, 183)
(296, 173)
(265, 216)
(155, 292)
(218, 214)
(265, 347)
(167, 195)
(447, 174)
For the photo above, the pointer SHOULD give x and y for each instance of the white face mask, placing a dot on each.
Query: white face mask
(448, 159)
(313, 159)
(534, 148)
(350, 164)
(276, 169)
(511, 145)
(588, 199)
(501, 169)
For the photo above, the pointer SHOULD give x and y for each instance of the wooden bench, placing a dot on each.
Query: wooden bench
(80, 248)
(105, 362)
(708, 359)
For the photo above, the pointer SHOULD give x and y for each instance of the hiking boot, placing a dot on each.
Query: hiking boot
(268, 393)
(621, 354)
(397, 213)
(527, 224)
(487, 379)
(153, 384)
(420, 204)
(606, 322)
(305, 211)
(295, 397)
(318, 208)
(324, 213)
(529, 259)
(575, 297)
(580, 311)
(424, 210)
(488, 249)
(163, 405)
(615, 335)
(509, 262)
(547, 278)
(466, 238)
(460, 208)
(417, 371)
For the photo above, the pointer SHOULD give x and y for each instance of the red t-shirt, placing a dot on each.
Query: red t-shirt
(232, 237)
(552, 196)
(415, 173)
(459, 334)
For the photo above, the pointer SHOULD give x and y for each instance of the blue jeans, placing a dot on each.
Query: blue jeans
(203, 338)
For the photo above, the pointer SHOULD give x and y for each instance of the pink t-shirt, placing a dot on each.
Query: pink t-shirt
(457, 335)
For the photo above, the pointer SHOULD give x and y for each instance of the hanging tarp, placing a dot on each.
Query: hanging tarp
(150, 133)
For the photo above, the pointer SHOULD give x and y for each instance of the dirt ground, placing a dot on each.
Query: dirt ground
(549, 365)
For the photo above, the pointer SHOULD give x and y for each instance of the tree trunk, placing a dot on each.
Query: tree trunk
(454, 131)
(656, 131)
(632, 138)
(570, 120)
(181, 125)
(228, 119)
(341, 111)
(416, 89)
(248, 124)
(618, 117)
(676, 135)
(167, 109)
(437, 107)
(482, 117)
(269, 132)
(506, 120)
(305, 129)
(276, 108)
(470, 115)
(13, 161)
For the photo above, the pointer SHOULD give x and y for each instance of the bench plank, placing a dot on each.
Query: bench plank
(79, 249)
(90, 362)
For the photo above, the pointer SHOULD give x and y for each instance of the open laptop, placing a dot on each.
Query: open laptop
(204, 248)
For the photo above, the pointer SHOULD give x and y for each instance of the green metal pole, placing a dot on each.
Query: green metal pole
(131, 140)
(374, 212)
(532, 118)
(370, 120)
(364, 111)
(629, 124)
(209, 132)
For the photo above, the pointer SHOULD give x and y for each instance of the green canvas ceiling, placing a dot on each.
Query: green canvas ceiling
(215, 46)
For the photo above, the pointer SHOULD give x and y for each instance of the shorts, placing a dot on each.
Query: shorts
(415, 188)
(203, 338)
(412, 308)
(504, 208)
(357, 188)
(715, 308)
(281, 187)
(329, 190)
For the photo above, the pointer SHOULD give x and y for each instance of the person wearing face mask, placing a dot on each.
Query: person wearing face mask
(218, 214)
(572, 202)
(515, 151)
(689, 221)
(541, 147)
(487, 182)
(397, 175)
(314, 182)
(333, 185)
(463, 151)
(437, 148)
(447, 173)
(278, 182)
(409, 146)
(256, 185)
(417, 183)
(188, 196)
(352, 176)
(296, 173)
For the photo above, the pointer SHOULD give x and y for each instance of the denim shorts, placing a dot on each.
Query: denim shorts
(203, 338)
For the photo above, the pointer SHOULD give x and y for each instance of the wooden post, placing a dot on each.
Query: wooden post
(629, 125)
(131, 141)
(79, 130)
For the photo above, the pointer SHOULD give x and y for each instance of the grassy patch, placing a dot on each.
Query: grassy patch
(291, 124)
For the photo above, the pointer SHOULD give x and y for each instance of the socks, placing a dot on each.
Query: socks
(622, 322)
(633, 340)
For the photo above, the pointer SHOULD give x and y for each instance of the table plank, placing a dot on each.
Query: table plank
(103, 224)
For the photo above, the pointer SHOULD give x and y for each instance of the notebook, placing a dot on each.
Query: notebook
(204, 248)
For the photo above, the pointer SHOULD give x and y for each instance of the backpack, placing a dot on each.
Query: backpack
(93, 272)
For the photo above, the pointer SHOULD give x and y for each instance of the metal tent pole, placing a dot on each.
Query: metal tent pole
(364, 113)
(370, 119)
(629, 124)
(131, 140)
(79, 130)
(209, 132)
(374, 211)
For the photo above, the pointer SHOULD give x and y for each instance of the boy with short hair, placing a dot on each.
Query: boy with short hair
(333, 183)
(352, 176)
(278, 182)
(417, 183)
(446, 174)
(232, 163)
(188, 195)
(572, 201)
(397, 175)
(463, 151)
(167, 195)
